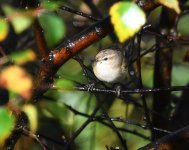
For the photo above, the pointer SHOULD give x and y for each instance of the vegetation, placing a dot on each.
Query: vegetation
(49, 96)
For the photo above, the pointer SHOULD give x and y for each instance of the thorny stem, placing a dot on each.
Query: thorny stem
(134, 91)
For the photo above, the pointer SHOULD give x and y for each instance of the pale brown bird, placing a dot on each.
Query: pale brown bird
(110, 66)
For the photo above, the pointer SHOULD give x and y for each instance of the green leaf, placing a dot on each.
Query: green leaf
(49, 5)
(183, 25)
(127, 19)
(20, 19)
(64, 84)
(21, 57)
(147, 76)
(177, 73)
(4, 29)
(54, 28)
(7, 122)
(173, 4)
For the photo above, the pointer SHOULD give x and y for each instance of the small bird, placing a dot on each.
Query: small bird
(110, 66)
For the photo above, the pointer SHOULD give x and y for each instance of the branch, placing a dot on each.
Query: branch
(32, 135)
(57, 57)
(140, 84)
(83, 126)
(40, 39)
(50, 64)
(114, 128)
(21, 121)
(177, 141)
(93, 8)
(101, 120)
(73, 11)
(162, 70)
(133, 91)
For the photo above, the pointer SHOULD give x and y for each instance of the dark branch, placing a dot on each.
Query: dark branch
(133, 91)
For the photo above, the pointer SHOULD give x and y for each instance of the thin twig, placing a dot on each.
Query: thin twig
(146, 111)
(123, 141)
(84, 68)
(87, 122)
(68, 9)
(36, 137)
(138, 124)
(93, 8)
(100, 120)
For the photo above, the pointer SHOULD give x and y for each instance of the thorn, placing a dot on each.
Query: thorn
(90, 87)
(118, 89)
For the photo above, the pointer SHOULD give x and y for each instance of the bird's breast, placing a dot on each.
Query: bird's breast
(108, 73)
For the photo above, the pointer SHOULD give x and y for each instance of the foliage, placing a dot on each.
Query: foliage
(124, 16)
(3, 29)
(63, 109)
(20, 19)
(7, 124)
(51, 22)
(174, 4)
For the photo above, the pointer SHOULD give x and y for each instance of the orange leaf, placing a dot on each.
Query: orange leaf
(17, 80)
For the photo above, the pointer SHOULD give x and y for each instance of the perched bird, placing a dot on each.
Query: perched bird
(110, 66)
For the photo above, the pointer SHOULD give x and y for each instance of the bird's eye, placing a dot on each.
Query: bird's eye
(105, 58)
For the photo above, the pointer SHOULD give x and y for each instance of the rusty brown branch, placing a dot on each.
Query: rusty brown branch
(65, 51)
(40, 39)
(58, 56)
(174, 141)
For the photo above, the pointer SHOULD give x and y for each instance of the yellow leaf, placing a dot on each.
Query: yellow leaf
(3, 29)
(16, 79)
(173, 4)
(21, 57)
(127, 19)
(31, 112)
(20, 19)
